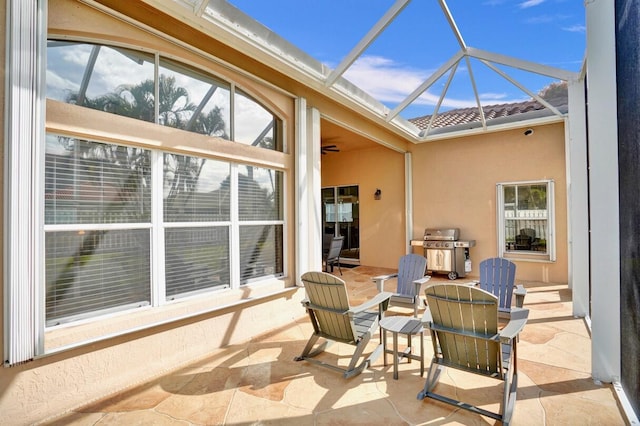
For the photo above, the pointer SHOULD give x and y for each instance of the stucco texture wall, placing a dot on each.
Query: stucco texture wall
(51, 385)
(382, 222)
(454, 185)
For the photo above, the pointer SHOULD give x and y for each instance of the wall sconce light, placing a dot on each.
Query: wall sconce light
(378, 194)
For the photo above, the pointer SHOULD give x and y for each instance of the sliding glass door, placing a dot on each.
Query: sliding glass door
(341, 217)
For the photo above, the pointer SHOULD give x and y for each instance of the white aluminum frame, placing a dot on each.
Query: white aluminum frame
(26, 30)
(603, 190)
(550, 255)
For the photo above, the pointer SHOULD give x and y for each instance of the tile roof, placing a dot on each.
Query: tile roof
(464, 117)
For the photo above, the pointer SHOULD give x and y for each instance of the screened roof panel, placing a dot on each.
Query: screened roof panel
(395, 57)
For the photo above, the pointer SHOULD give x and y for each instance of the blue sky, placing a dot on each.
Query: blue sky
(419, 40)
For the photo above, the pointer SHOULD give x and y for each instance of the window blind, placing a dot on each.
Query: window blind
(196, 259)
(260, 251)
(92, 272)
(97, 228)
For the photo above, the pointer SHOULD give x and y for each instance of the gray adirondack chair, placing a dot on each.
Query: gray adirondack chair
(497, 276)
(334, 320)
(463, 322)
(411, 276)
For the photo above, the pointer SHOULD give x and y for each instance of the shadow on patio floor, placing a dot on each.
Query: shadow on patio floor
(259, 383)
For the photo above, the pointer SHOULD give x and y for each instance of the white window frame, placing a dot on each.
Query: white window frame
(158, 226)
(550, 254)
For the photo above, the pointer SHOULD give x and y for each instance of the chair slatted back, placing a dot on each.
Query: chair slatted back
(326, 242)
(465, 325)
(411, 267)
(335, 247)
(329, 303)
(497, 276)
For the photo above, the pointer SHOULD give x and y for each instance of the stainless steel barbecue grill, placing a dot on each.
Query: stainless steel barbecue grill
(444, 251)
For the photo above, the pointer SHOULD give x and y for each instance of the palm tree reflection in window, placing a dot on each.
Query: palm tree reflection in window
(127, 191)
(95, 183)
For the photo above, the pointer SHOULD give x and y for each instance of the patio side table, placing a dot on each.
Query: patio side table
(402, 325)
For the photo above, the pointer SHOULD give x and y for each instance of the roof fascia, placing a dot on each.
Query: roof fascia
(504, 124)
(244, 32)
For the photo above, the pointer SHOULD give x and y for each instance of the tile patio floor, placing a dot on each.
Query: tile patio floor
(258, 383)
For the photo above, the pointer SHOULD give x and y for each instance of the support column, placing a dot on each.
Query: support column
(308, 207)
(578, 199)
(23, 134)
(603, 190)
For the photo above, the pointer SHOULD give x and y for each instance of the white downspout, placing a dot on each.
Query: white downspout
(408, 197)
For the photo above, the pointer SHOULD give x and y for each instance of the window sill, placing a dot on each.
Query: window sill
(74, 335)
(528, 257)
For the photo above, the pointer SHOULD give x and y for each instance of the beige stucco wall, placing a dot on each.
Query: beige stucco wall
(51, 385)
(382, 222)
(454, 185)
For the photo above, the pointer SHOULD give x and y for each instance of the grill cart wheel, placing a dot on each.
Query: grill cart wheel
(453, 275)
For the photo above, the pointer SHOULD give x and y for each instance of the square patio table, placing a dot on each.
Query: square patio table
(407, 326)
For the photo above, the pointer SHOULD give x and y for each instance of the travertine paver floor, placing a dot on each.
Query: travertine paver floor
(259, 383)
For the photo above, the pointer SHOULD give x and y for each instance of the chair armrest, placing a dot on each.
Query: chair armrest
(422, 280)
(380, 279)
(418, 283)
(520, 292)
(427, 319)
(515, 325)
(377, 300)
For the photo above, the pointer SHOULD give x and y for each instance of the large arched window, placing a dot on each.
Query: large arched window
(135, 225)
(123, 82)
(142, 189)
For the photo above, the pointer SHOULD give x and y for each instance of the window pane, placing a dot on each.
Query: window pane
(260, 251)
(260, 194)
(195, 189)
(91, 182)
(108, 79)
(510, 200)
(526, 217)
(253, 124)
(193, 102)
(92, 272)
(196, 259)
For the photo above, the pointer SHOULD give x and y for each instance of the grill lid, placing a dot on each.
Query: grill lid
(446, 234)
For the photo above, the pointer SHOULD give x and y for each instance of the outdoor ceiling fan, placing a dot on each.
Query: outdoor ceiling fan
(324, 149)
